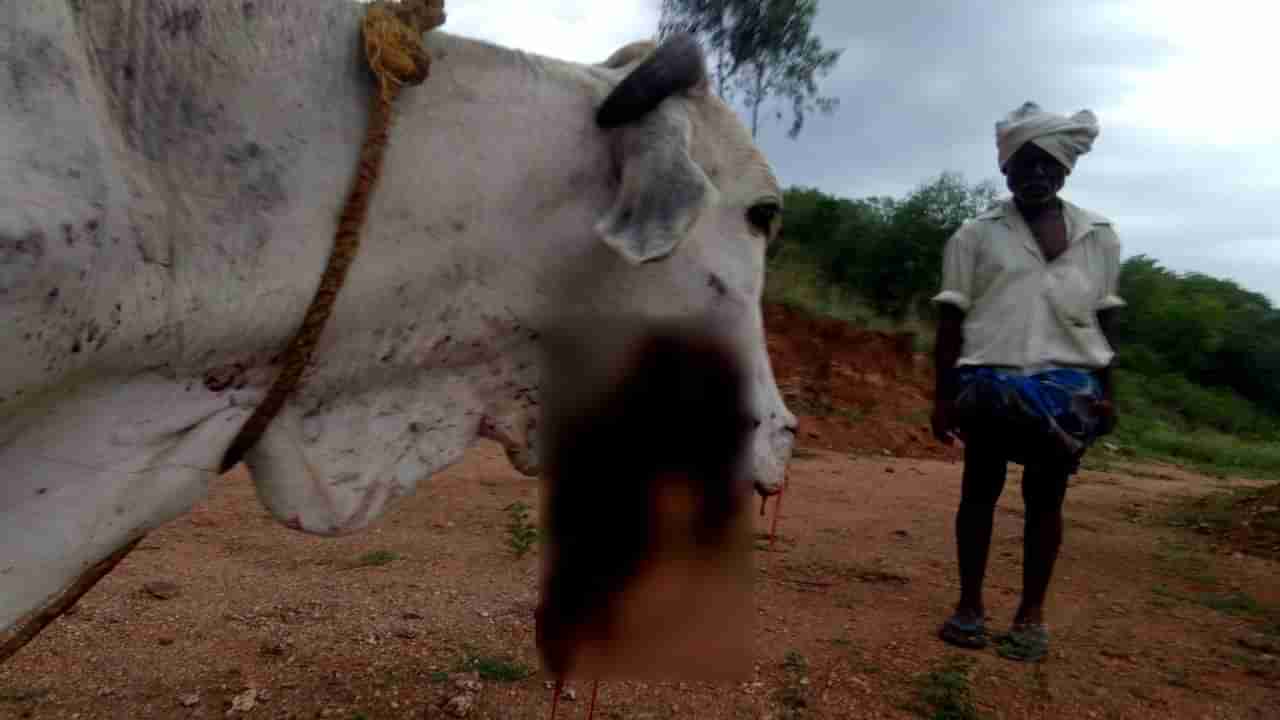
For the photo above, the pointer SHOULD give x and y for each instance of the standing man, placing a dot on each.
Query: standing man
(1023, 361)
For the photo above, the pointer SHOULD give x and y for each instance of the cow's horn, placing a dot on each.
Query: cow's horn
(677, 65)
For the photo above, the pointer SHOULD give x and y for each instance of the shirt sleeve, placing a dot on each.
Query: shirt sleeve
(957, 272)
(1110, 295)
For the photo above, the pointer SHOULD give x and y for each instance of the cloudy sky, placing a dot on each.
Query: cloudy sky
(1188, 162)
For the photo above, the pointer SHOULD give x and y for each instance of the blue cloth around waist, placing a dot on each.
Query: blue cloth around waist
(1034, 413)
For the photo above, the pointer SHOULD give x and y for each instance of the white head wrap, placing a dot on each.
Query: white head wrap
(1065, 138)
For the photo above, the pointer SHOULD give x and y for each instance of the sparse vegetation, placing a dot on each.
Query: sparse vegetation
(522, 534)
(21, 694)
(1184, 561)
(495, 668)
(377, 558)
(1248, 518)
(947, 694)
(1232, 603)
(793, 695)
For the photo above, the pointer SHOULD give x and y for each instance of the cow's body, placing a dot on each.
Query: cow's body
(170, 174)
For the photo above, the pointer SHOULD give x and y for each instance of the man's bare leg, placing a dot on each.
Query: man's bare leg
(984, 477)
(1044, 488)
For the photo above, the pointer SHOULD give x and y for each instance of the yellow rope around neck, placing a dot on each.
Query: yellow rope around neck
(393, 48)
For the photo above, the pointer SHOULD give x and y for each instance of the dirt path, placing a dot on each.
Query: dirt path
(371, 626)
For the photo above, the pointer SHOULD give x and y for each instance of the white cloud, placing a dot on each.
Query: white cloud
(1216, 88)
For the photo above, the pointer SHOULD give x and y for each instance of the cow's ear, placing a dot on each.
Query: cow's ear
(662, 191)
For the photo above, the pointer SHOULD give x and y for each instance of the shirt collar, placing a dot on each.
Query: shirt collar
(1080, 222)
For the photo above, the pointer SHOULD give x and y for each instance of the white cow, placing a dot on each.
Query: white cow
(170, 175)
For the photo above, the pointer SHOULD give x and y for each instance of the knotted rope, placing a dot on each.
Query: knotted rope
(393, 48)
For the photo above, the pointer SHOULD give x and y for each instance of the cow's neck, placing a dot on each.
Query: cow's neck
(245, 141)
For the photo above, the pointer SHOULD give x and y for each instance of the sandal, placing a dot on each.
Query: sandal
(1024, 643)
(968, 635)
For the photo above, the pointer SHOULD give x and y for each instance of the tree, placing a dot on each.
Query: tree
(901, 269)
(709, 21)
(761, 48)
(773, 44)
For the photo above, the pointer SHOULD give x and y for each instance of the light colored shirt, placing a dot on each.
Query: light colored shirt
(1022, 311)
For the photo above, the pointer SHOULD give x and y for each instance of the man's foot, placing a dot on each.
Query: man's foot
(1025, 642)
(964, 631)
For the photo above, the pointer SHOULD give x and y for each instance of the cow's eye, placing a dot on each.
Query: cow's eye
(762, 216)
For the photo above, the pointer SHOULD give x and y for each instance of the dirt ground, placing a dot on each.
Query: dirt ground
(225, 613)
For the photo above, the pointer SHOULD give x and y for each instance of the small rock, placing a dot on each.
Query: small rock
(901, 534)
(1268, 509)
(244, 702)
(189, 700)
(162, 589)
(274, 648)
(889, 470)
(469, 682)
(106, 692)
(165, 641)
(411, 615)
(460, 705)
(569, 694)
(483, 613)
(406, 633)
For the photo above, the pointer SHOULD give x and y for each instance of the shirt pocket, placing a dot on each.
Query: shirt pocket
(1073, 296)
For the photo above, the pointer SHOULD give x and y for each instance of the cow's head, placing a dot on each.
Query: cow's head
(696, 198)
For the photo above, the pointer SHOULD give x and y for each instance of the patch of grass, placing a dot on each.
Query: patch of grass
(1257, 665)
(1247, 518)
(947, 693)
(1164, 597)
(823, 570)
(377, 558)
(1212, 430)
(1179, 678)
(793, 695)
(1184, 561)
(21, 694)
(918, 418)
(1216, 512)
(796, 281)
(1236, 604)
(438, 676)
(854, 415)
(495, 668)
(795, 662)
(522, 534)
